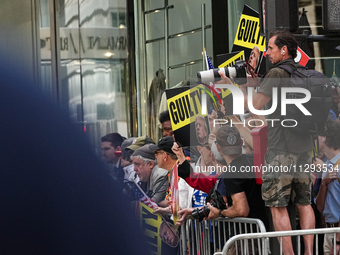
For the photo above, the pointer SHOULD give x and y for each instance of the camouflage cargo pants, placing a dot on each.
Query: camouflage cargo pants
(286, 176)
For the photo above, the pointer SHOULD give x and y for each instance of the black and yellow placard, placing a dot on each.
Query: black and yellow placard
(248, 37)
(231, 58)
(150, 224)
(248, 31)
(185, 107)
(157, 232)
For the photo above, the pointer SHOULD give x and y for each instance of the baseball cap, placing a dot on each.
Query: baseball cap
(164, 144)
(145, 151)
(139, 142)
(125, 151)
(229, 139)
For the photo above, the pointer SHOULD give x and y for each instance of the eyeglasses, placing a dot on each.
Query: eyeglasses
(160, 151)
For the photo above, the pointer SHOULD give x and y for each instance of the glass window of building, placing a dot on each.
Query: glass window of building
(92, 71)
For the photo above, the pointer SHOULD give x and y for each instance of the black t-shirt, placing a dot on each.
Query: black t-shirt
(242, 181)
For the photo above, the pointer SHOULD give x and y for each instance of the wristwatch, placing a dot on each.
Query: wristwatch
(220, 214)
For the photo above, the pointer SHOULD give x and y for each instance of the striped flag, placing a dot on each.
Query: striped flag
(209, 63)
(210, 66)
(142, 197)
(207, 60)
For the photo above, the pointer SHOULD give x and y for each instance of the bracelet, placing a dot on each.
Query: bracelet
(220, 214)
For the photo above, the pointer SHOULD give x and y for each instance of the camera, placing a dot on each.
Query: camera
(237, 72)
(216, 201)
(201, 213)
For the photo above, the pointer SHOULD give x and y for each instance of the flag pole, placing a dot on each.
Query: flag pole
(205, 58)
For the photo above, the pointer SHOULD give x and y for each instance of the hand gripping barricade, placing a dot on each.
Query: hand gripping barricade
(207, 237)
(279, 234)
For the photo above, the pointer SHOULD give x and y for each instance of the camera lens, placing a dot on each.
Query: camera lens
(201, 213)
(238, 72)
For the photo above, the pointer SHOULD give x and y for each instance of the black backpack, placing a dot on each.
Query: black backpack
(319, 105)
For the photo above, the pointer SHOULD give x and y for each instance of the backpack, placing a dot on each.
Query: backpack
(319, 105)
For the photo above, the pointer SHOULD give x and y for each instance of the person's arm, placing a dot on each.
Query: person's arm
(321, 197)
(179, 153)
(258, 119)
(164, 203)
(240, 207)
(253, 80)
(163, 210)
(196, 180)
(259, 101)
(201, 181)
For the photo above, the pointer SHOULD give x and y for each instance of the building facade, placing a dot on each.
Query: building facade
(108, 62)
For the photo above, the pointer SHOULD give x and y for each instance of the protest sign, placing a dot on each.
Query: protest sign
(189, 124)
(248, 39)
(228, 59)
(160, 233)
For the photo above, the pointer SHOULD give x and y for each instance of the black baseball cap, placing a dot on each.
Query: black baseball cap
(164, 144)
(229, 139)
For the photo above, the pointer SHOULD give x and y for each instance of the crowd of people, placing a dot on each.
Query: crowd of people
(312, 186)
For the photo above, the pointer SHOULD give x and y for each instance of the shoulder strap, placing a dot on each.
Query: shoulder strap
(288, 68)
(208, 198)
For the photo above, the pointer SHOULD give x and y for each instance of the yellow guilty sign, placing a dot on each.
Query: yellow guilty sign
(248, 33)
(184, 107)
(231, 61)
(150, 224)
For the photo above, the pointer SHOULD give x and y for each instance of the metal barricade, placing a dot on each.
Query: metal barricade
(279, 234)
(208, 237)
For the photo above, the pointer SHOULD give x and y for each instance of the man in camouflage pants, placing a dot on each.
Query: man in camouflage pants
(286, 174)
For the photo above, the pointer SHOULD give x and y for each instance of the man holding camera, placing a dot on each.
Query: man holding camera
(244, 195)
(285, 147)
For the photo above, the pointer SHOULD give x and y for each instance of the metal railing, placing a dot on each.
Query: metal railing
(208, 237)
(279, 234)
